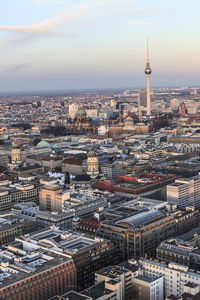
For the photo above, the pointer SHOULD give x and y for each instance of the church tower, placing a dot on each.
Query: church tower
(92, 164)
(16, 154)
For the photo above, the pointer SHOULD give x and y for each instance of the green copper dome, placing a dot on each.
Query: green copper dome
(43, 144)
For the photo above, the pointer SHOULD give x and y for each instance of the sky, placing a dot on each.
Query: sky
(90, 44)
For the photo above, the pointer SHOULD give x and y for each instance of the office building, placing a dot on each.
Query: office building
(52, 198)
(142, 98)
(120, 278)
(88, 254)
(139, 233)
(21, 192)
(185, 192)
(30, 272)
(175, 275)
(147, 288)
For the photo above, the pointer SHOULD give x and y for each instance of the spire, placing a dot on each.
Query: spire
(148, 72)
(148, 69)
(147, 49)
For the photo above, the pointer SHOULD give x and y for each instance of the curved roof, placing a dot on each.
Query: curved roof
(43, 144)
(80, 112)
(15, 146)
(142, 219)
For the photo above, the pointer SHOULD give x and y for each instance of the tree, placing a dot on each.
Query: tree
(36, 141)
(67, 178)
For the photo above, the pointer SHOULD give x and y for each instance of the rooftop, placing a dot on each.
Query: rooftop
(141, 219)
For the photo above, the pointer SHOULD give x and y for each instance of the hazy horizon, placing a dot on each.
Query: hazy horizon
(90, 44)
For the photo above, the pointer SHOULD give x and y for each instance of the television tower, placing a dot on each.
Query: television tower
(148, 72)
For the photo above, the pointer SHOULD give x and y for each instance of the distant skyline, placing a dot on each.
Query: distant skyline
(91, 44)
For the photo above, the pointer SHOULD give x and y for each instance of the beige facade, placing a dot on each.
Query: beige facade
(52, 198)
(92, 164)
(16, 154)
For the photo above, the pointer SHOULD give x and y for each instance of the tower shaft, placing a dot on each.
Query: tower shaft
(148, 96)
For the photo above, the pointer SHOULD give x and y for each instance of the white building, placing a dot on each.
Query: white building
(148, 287)
(117, 279)
(175, 276)
(185, 192)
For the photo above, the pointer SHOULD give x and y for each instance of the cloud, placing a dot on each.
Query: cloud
(137, 22)
(17, 67)
(33, 30)
(68, 19)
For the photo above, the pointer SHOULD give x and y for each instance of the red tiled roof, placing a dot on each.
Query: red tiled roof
(6, 177)
(51, 158)
(90, 223)
(2, 169)
(73, 161)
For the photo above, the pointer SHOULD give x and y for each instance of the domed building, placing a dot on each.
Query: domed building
(43, 144)
(16, 154)
(81, 123)
(129, 123)
(92, 164)
(16, 157)
(80, 113)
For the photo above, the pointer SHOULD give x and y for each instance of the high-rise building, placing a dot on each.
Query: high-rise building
(148, 72)
(142, 98)
(183, 109)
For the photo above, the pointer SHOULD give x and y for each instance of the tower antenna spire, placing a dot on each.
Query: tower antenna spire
(148, 72)
(147, 48)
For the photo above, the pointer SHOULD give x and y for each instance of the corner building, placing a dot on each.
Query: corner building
(54, 279)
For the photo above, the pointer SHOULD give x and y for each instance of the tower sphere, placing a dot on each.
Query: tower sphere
(148, 71)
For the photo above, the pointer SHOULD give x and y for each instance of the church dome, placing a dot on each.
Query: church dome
(92, 153)
(43, 144)
(80, 113)
(15, 146)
